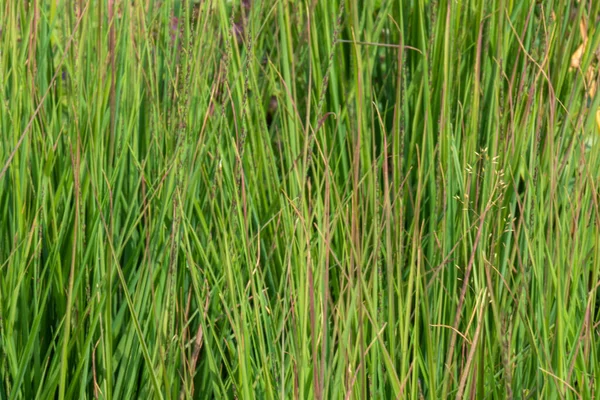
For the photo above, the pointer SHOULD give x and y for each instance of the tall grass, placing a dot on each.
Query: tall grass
(299, 199)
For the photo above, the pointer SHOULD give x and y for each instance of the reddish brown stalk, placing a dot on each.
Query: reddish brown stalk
(311, 296)
(197, 347)
(32, 46)
(355, 258)
(325, 269)
(184, 338)
(465, 374)
(313, 325)
(296, 386)
(76, 162)
(146, 216)
(95, 378)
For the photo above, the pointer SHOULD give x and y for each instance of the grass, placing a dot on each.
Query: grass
(299, 199)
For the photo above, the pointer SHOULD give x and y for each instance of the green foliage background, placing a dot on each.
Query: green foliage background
(299, 199)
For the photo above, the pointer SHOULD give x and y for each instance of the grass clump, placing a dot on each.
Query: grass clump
(299, 199)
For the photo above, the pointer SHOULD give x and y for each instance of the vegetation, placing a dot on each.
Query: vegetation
(299, 199)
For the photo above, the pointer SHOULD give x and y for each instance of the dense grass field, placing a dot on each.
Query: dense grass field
(299, 199)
